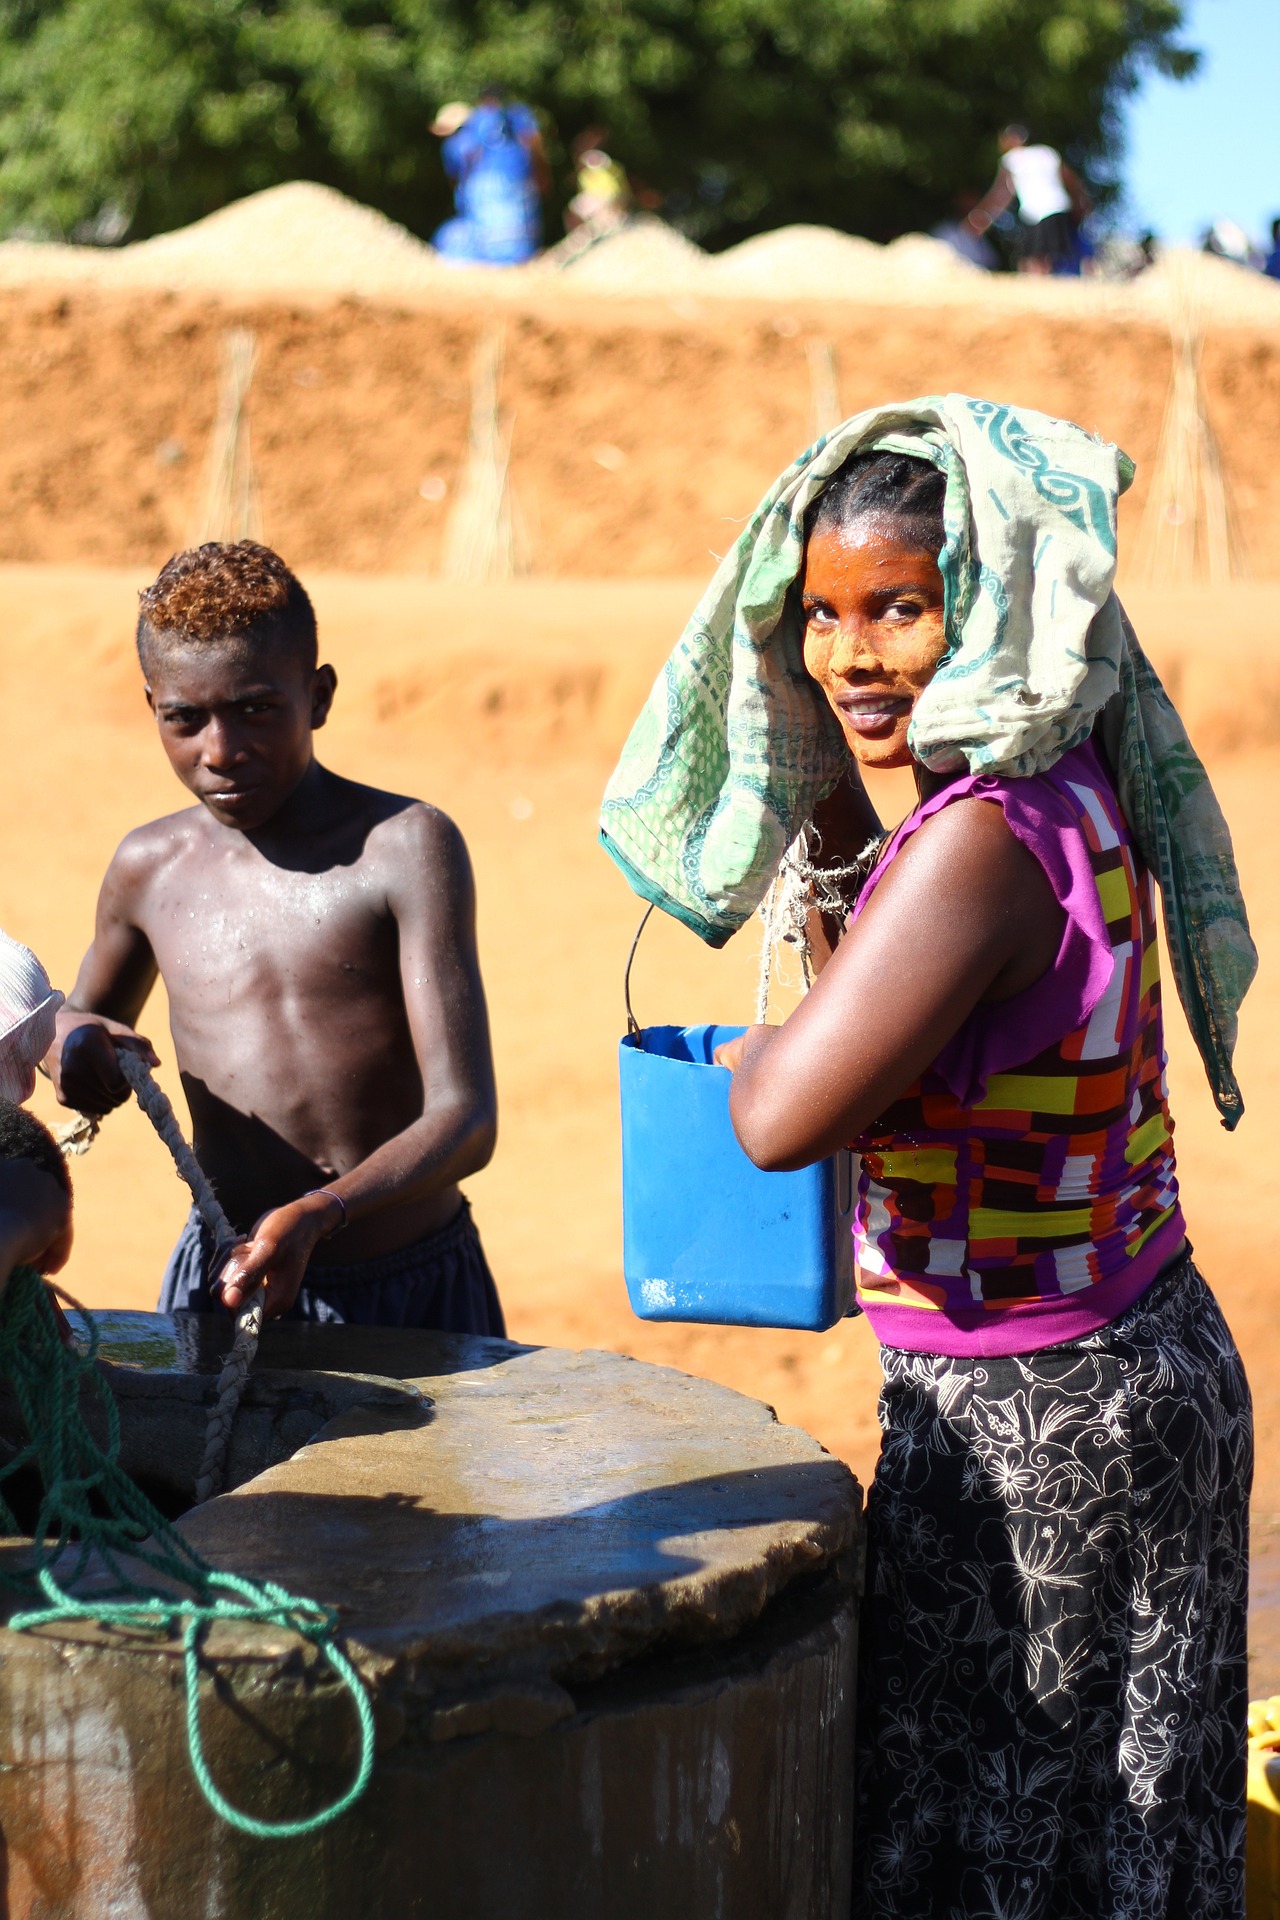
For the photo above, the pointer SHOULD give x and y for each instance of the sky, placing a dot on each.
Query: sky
(1210, 146)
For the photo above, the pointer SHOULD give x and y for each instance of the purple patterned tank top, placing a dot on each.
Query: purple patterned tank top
(1023, 1191)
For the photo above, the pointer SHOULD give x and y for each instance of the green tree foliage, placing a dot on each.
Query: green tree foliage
(864, 114)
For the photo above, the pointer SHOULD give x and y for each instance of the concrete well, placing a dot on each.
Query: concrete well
(607, 1613)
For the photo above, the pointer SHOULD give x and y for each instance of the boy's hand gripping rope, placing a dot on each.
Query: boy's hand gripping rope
(235, 1372)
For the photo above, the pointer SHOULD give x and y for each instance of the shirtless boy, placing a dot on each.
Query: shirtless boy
(316, 939)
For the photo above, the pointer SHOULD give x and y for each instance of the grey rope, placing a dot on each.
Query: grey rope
(801, 887)
(154, 1102)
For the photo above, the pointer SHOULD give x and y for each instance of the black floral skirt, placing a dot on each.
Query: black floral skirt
(1053, 1690)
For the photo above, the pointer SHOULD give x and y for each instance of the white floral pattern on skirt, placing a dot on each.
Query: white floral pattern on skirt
(1053, 1690)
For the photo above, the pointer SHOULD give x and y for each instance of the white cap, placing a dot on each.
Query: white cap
(450, 117)
(28, 1004)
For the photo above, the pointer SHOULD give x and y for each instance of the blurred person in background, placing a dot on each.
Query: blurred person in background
(603, 198)
(1122, 258)
(1051, 198)
(966, 240)
(1271, 266)
(493, 153)
(1227, 240)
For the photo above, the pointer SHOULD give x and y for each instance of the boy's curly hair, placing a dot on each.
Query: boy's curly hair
(22, 1137)
(226, 591)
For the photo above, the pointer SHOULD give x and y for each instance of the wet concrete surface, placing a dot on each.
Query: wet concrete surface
(467, 1502)
(606, 1611)
(557, 1514)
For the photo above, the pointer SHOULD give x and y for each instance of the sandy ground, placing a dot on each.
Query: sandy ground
(505, 705)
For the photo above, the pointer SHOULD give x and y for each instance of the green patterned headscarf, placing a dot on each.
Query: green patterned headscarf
(736, 744)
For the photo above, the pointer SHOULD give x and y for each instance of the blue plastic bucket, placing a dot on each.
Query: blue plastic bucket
(705, 1234)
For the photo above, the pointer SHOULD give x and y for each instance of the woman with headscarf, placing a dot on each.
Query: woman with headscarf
(1052, 1667)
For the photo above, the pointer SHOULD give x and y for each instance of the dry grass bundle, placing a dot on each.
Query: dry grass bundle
(229, 504)
(1189, 529)
(824, 388)
(486, 538)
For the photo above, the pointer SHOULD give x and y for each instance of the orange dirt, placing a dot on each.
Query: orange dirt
(107, 400)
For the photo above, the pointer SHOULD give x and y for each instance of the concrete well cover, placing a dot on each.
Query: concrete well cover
(529, 1517)
(555, 1572)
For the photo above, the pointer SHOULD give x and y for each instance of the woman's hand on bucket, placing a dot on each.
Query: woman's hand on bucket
(730, 1052)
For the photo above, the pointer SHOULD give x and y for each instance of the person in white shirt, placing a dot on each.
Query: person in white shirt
(1052, 200)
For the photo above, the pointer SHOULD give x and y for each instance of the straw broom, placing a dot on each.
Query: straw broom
(1189, 529)
(486, 538)
(229, 505)
(824, 388)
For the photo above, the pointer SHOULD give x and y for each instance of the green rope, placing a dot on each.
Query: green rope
(47, 1377)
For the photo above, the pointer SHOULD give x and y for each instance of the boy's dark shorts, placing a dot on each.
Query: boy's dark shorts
(441, 1282)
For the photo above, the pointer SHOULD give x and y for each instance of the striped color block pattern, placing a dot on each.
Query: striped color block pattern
(1059, 1177)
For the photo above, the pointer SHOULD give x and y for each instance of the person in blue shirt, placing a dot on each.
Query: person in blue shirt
(494, 154)
(1271, 267)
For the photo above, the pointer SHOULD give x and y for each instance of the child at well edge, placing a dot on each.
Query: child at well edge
(316, 939)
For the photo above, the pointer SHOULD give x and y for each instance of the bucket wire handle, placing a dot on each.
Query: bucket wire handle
(633, 1025)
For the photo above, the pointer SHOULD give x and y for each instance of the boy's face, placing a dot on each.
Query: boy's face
(236, 721)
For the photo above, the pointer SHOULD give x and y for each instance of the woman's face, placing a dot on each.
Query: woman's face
(873, 632)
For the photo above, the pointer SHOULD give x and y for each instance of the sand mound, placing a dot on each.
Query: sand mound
(310, 242)
(925, 258)
(646, 257)
(797, 261)
(819, 263)
(296, 232)
(296, 237)
(1202, 287)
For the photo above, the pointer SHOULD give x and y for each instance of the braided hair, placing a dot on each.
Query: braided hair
(897, 487)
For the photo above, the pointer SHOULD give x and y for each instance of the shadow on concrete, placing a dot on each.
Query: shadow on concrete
(570, 1587)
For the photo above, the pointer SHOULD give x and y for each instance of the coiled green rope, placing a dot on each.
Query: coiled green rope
(47, 1377)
